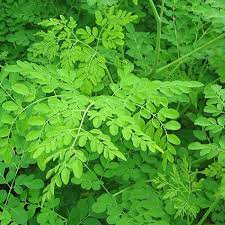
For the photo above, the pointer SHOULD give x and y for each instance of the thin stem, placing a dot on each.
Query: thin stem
(120, 192)
(183, 58)
(210, 209)
(109, 75)
(128, 188)
(159, 28)
(81, 123)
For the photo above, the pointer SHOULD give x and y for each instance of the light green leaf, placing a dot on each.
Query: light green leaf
(171, 149)
(169, 157)
(195, 146)
(82, 141)
(36, 121)
(12, 68)
(4, 132)
(170, 113)
(119, 155)
(32, 135)
(80, 155)
(135, 2)
(172, 125)
(21, 89)
(126, 133)
(172, 138)
(113, 129)
(202, 121)
(97, 122)
(65, 175)
(77, 167)
(10, 106)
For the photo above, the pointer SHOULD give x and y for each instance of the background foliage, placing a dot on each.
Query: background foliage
(112, 112)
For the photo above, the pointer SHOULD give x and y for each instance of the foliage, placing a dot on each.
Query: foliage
(112, 112)
(181, 190)
(19, 21)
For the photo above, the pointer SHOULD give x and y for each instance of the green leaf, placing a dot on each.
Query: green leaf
(126, 133)
(113, 129)
(65, 175)
(119, 155)
(102, 202)
(12, 68)
(80, 155)
(67, 139)
(156, 123)
(21, 89)
(77, 167)
(19, 215)
(162, 222)
(35, 184)
(171, 149)
(143, 146)
(97, 122)
(3, 196)
(195, 146)
(10, 106)
(32, 135)
(172, 138)
(170, 113)
(4, 132)
(169, 156)
(221, 120)
(82, 141)
(92, 221)
(135, 2)
(200, 135)
(172, 125)
(202, 121)
(36, 121)
(222, 142)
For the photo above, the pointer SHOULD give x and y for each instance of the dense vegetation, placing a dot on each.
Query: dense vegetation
(112, 112)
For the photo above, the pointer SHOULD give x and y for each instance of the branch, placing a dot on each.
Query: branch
(210, 209)
(158, 19)
(183, 58)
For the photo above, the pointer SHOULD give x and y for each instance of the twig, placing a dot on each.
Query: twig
(183, 58)
(81, 123)
(210, 209)
(158, 19)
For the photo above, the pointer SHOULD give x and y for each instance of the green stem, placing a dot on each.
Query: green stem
(120, 192)
(109, 75)
(183, 58)
(158, 37)
(210, 209)
(81, 123)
